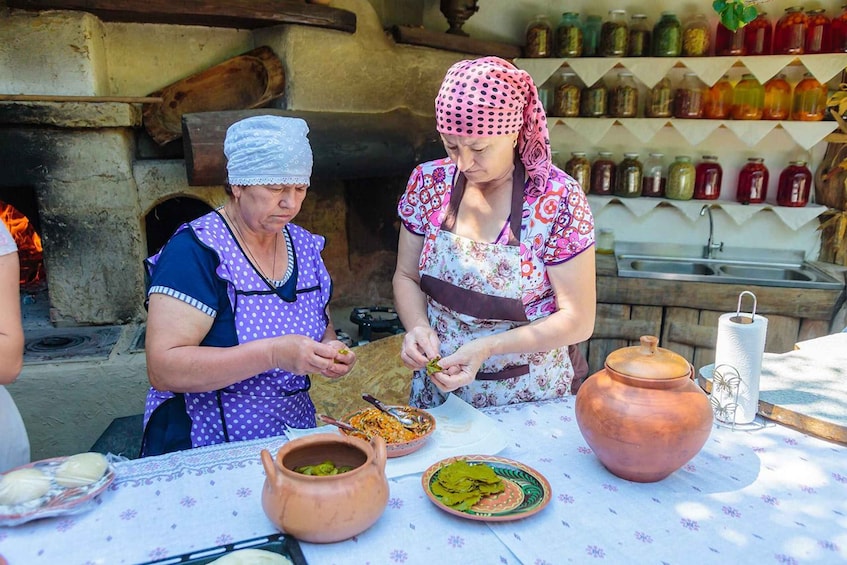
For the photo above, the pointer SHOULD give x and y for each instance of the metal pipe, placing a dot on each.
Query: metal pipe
(711, 247)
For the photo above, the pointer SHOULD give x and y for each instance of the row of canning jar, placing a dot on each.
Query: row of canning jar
(684, 180)
(747, 100)
(797, 32)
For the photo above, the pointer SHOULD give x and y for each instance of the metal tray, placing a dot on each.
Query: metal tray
(276, 543)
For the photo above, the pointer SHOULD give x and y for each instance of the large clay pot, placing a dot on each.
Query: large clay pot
(329, 508)
(643, 414)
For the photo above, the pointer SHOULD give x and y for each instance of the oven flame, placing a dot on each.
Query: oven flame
(28, 241)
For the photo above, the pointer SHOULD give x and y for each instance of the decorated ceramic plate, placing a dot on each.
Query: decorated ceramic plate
(58, 500)
(526, 490)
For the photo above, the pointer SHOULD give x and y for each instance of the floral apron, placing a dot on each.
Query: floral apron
(473, 290)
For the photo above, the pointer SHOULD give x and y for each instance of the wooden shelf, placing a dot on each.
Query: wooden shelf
(451, 42)
(243, 14)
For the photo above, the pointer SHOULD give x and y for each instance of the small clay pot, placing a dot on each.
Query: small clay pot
(643, 414)
(325, 509)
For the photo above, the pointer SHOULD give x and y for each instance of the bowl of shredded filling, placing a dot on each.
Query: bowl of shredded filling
(399, 440)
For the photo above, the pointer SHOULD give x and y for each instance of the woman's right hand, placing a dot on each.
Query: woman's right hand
(302, 355)
(420, 346)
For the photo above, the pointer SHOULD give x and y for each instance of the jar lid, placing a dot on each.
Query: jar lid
(794, 9)
(755, 159)
(617, 11)
(657, 154)
(639, 16)
(578, 153)
(683, 158)
(710, 157)
(648, 361)
(816, 11)
(630, 155)
(800, 163)
(625, 74)
(571, 14)
(605, 153)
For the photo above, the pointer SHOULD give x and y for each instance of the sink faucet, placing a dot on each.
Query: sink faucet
(711, 246)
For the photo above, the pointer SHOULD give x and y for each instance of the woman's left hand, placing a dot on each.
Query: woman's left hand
(460, 368)
(342, 362)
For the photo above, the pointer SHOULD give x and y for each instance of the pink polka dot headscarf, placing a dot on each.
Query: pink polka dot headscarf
(490, 96)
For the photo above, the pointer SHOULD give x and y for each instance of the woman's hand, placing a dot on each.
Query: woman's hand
(302, 355)
(343, 361)
(460, 368)
(420, 345)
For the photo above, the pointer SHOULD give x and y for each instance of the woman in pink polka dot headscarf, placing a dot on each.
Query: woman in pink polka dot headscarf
(495, 269)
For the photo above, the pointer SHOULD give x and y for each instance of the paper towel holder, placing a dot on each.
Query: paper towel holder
(738, 318)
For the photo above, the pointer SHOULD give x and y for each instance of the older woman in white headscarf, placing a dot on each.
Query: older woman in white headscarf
(238, 304)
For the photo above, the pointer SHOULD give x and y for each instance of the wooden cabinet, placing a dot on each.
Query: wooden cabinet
(684, 315)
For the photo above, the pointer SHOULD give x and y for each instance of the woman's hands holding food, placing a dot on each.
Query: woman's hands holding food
(420, 345)
(302, 355)
(460, 368)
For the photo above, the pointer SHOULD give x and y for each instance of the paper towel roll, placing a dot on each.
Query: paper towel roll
(738, 366)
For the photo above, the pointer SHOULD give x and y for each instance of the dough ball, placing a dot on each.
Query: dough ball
(23, 485)
(81, 469)
(252, 557)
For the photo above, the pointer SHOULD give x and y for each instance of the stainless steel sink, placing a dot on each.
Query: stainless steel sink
(763, 267)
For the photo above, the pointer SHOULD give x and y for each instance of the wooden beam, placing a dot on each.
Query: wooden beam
(451, 42)
(92, 99)
(244, 14)
(345, 145)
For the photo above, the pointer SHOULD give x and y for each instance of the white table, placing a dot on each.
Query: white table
(772, 495)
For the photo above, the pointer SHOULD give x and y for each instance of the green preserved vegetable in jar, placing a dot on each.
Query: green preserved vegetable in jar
(614, 35)
(681, 176)
(667, 36)
(696, 37)
(539, 38)
(623, 98)
(592, 102)
(748, 99)
(639, 37)
(628, 176)
(569, 36)
(579, 167)
(591, 36)
(566, 96)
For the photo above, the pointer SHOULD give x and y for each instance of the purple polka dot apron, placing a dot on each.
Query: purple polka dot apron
(266, 404)
(473, 290)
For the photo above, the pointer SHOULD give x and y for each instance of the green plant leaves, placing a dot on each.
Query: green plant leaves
(735, 14)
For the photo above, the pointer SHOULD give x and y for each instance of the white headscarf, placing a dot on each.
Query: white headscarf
(268, 150)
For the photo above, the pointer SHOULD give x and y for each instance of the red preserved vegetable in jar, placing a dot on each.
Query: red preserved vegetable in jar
(707, 179)
(818, 32)
(688, 99)
(789, 35)
(603, 174)
(839, 31)
(795, 183)
(752, 182)
(758, 36)
(728, 42)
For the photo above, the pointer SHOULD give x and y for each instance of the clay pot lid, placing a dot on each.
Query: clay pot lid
(648, 361)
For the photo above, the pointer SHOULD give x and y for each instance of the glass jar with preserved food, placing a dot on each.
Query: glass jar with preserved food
(729, 42)
(707, 179)
(681, 176)
(653, 177)
(809, 102)
(667, 36)
(623, 97)
(579, 167)
(795, 184)
(818, 32)
(660, 100)
(603, 174)
(758, 36)
(591, 36)
(593, 100)
(566, 96)
(688, 99)
(628, 176)
(614, 35)
(777, 99)
(639, 44)
(789, 34)
(752, 182)
(539, 38)
(839, 31)
(696, 36)
(569, 36)
(748, 99)
(718, 102)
